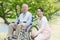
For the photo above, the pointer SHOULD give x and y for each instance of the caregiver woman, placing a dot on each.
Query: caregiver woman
(44, 30)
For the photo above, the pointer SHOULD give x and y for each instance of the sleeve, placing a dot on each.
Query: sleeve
(29, 20)
(42, 26)
(18, 19)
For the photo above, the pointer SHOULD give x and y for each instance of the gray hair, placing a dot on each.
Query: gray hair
(25, 5)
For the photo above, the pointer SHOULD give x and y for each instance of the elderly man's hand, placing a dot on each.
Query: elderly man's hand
(23, 25)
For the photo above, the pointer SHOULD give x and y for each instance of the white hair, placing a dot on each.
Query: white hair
(25, 5)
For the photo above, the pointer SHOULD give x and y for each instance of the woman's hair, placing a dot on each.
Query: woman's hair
(41, 9)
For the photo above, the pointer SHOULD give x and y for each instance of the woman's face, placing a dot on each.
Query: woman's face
(39, 12)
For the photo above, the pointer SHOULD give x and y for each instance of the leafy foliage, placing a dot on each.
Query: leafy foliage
(11, 8)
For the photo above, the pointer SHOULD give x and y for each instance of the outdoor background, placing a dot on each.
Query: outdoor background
(10, 10)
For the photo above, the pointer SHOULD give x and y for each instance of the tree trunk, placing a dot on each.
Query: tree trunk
(3, 14)
(16, 11)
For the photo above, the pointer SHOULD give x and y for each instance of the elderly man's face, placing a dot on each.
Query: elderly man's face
(24, 8)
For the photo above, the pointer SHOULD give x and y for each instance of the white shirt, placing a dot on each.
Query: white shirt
(25, 17)
(43, 24)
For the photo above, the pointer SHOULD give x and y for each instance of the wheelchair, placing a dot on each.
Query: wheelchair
(26, 35)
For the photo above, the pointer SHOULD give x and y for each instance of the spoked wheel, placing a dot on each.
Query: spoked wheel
(27, 35)
(34, 28)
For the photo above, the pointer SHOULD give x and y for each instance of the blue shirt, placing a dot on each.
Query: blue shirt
(25, 17)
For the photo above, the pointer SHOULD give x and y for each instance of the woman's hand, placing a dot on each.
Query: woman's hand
(34, 35)
(37, 17)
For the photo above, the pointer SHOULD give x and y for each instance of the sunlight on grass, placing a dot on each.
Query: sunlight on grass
(53, 20)
(55, 27)
(3, 35)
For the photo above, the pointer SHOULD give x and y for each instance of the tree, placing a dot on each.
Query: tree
(11, 8)
(8, 9)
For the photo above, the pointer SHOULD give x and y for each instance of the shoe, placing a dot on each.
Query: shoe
(9, 38)
(14, 37)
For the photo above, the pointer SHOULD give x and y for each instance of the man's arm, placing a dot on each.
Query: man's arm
(29, 20)
(18, 19)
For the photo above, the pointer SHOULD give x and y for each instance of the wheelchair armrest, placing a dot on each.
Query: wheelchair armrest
(28, 29)
(35, 26)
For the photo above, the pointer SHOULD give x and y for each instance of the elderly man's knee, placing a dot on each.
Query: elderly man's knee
(11, 25)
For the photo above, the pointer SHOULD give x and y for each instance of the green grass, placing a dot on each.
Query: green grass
(53, 19)
(10, 20)
(3, 35)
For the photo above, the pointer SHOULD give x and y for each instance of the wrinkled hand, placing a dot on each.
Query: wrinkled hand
(23, 26)
(34, 35)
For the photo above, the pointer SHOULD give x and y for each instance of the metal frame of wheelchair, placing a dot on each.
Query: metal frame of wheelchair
(26, 35)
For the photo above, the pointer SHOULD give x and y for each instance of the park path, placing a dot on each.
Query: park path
(55, 28)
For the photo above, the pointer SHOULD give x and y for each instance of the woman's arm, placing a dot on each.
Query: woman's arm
(42, 26)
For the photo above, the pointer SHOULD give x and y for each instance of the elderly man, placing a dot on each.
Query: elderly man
(25, 19)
